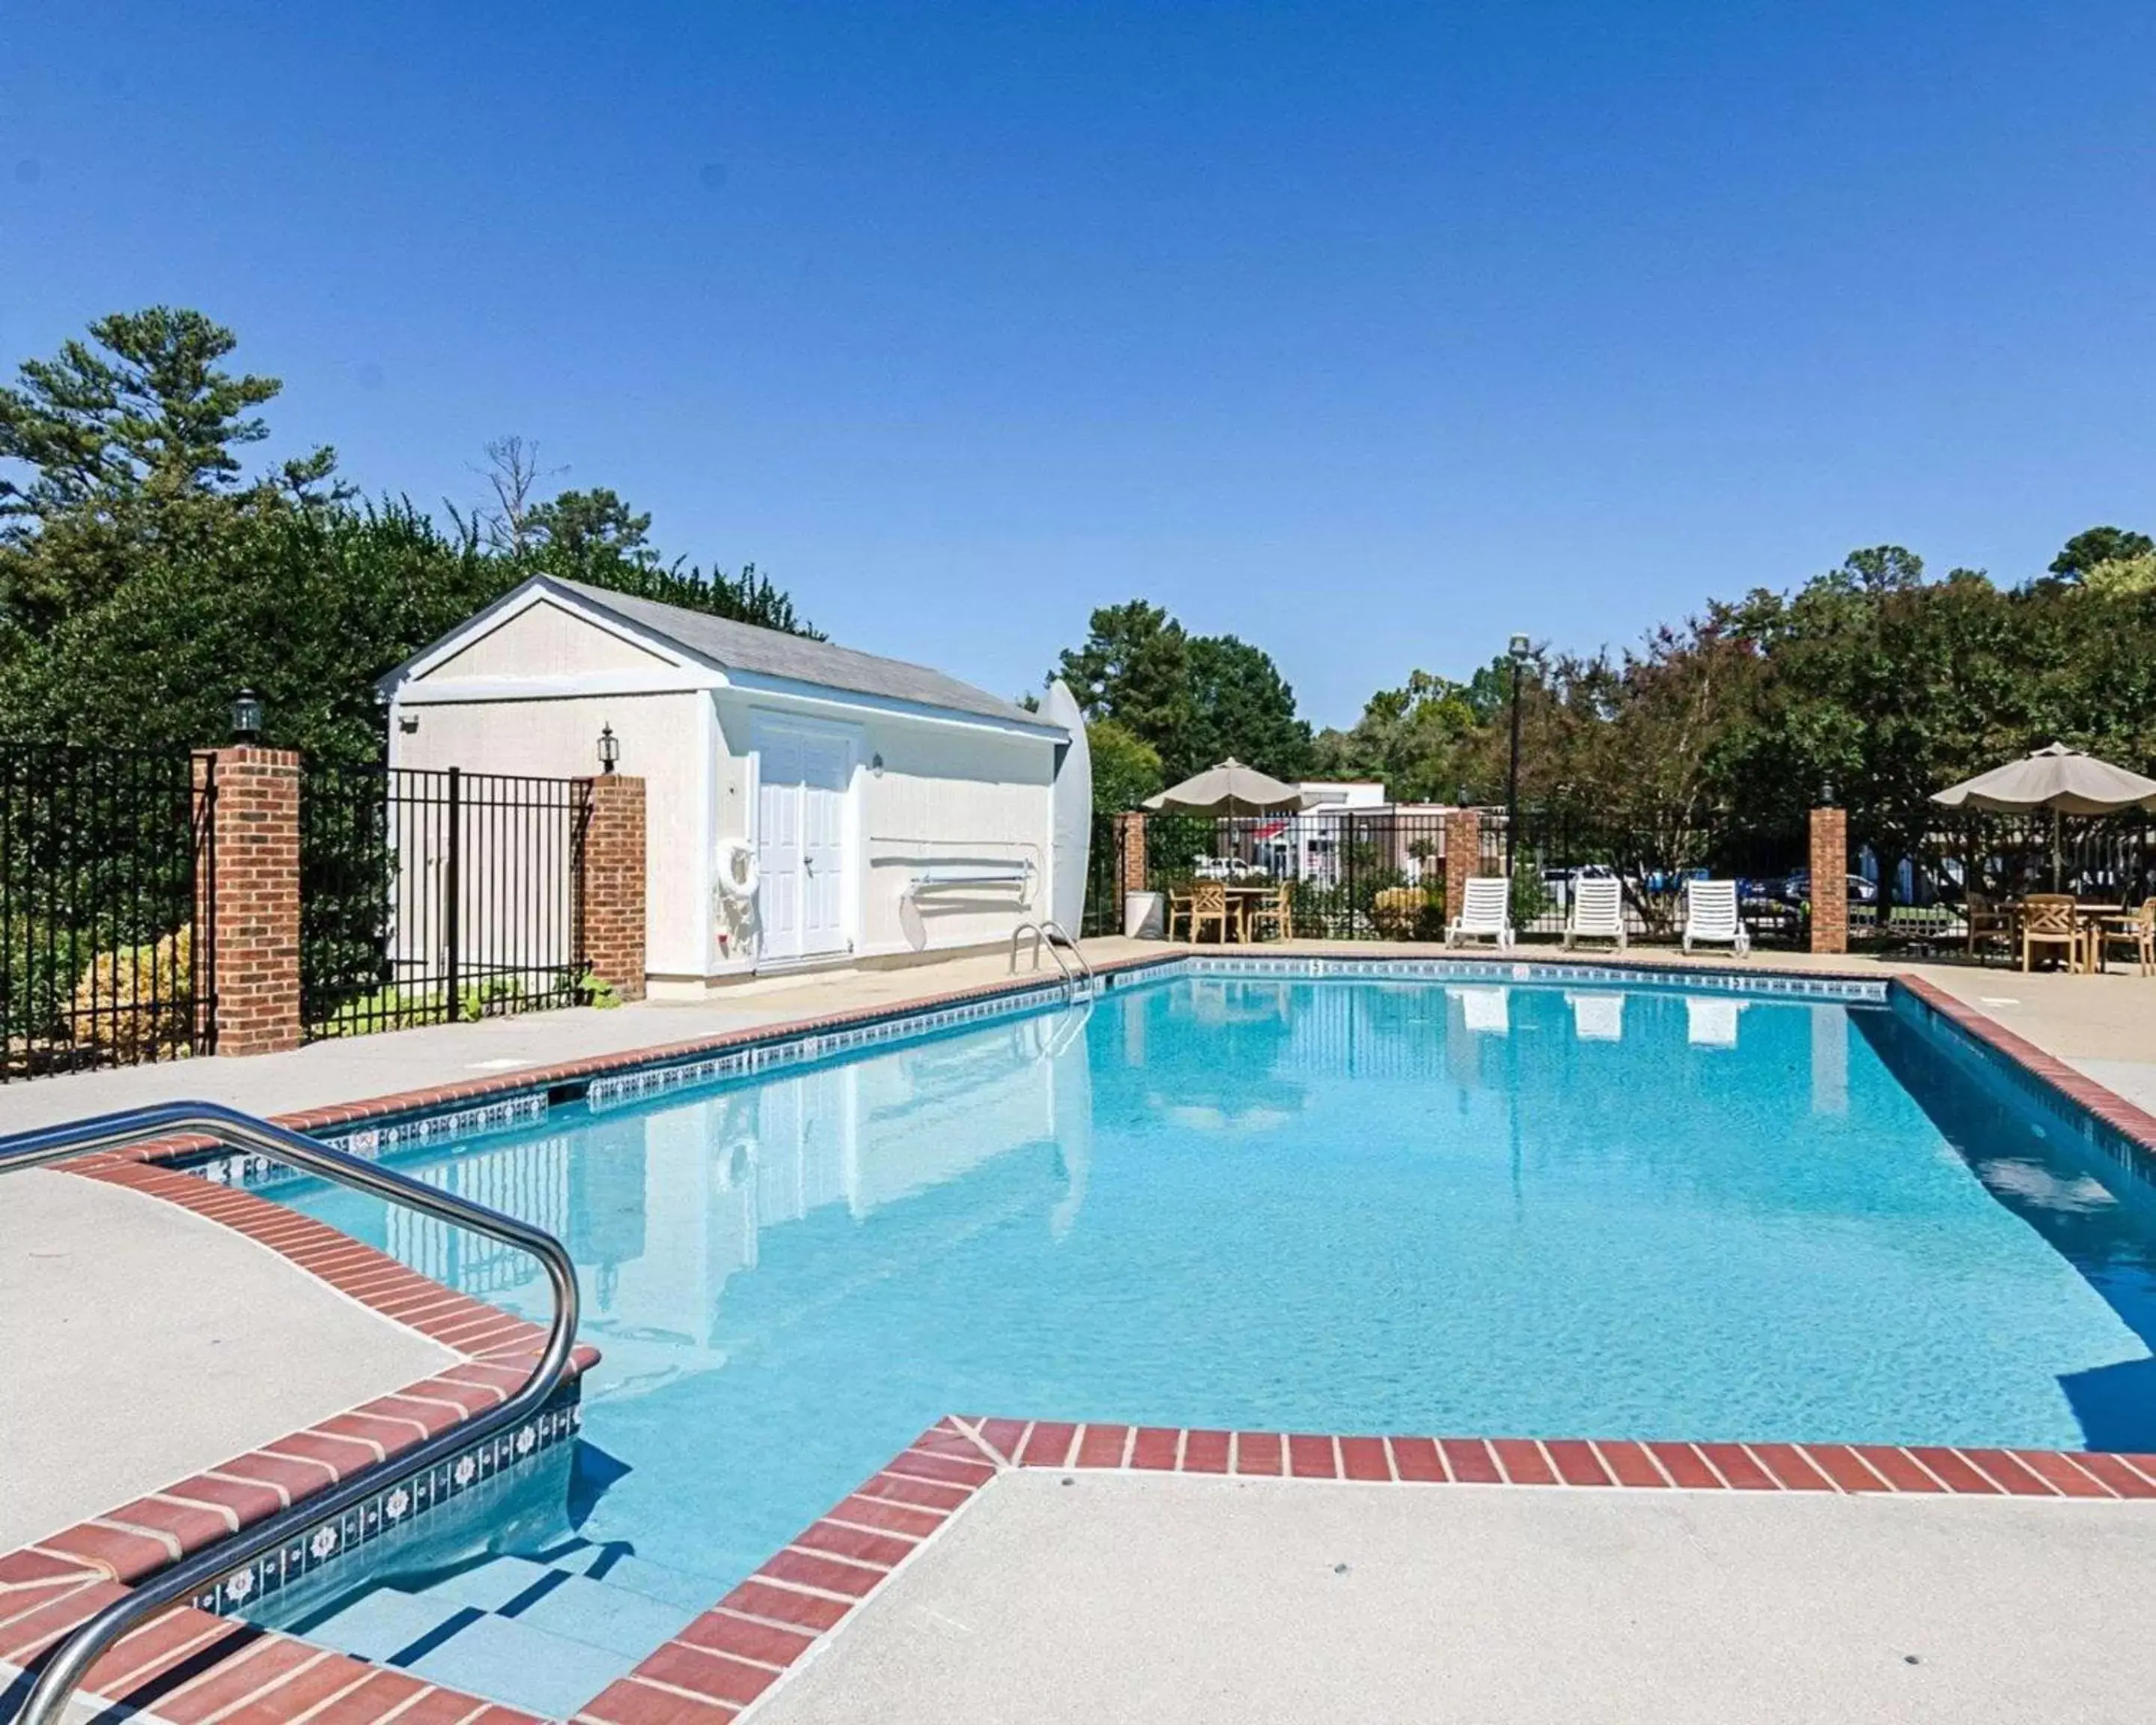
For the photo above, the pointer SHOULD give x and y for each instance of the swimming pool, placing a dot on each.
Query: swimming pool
(1267, 1203)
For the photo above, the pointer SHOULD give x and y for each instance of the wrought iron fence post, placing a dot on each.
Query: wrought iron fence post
(202, 946)
(1348, 823)
(452, 890)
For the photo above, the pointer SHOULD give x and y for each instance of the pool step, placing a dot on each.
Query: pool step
(545, 1635)
(607, 1616)
(505, 1660)
(653, 1581)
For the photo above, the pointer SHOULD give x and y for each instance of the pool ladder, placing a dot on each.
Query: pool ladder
(180, 1581)
(1082, 984)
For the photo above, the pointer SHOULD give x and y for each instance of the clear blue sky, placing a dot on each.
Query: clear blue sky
(1368, 333)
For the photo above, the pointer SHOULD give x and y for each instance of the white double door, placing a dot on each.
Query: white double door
(804, 787)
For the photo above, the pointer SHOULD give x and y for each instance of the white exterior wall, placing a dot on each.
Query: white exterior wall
(531, 695)
(947, 792)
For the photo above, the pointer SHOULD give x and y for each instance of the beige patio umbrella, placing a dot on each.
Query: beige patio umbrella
(2063, 780)
(1233, 789)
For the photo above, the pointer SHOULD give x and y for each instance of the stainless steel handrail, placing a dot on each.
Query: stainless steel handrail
(1057, 935)
(229, 1127)
(1040, 938)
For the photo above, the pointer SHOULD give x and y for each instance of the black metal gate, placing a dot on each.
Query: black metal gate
(107, 872)
(427, 897)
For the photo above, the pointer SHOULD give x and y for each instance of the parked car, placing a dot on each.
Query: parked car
(1797, 889)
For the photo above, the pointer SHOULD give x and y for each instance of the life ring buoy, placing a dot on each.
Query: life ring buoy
(736, 871)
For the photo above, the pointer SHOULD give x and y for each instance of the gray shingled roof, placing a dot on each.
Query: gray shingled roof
(771, 652)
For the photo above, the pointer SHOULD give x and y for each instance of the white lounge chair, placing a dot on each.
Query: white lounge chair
(1484, 912)
(1711, 916)
(1597, 914)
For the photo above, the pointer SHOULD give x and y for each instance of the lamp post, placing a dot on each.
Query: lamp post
(247, 717)
(1517, 650)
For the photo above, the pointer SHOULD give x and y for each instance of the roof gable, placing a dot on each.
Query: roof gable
(771, 652)
(749, 655)
(548, 638)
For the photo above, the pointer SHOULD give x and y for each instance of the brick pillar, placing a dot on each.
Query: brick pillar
(1829, 882)
(248, 896)
(1463, 855)
(610, 877)
(1130, 837)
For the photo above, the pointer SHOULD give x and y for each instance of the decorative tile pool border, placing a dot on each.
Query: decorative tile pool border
(1842, 990)
(624, 1080)
(791, 1048)
(251, 1172)
(400, 1504)
(2103, 1119)
(189, 1664)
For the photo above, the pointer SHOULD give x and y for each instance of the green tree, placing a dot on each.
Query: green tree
(581, 525)
(1126, 769)
(594, 536)
(1194, 700)
(2115, 577)
(130, 440)
(307, 608)
(1884, 687)
(144, 577)
(1134, 668)
(1416, 738)
(1242, 707)
(2094, 545)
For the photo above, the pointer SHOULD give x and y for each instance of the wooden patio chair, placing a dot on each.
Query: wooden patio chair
(1992, 928)
(1208, 903)
(2137, 930)
(1276, 911)
(2051, 919)
(1178, 911)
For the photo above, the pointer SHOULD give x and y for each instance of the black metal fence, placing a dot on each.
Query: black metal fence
(1104, 879)
(1556, 849)
(1379, 874)
(107, 951)
(427, 897)
(1999, 857)
(1354, 876)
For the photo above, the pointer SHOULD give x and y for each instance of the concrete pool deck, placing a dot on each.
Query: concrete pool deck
(145, 1343)
(1088, 1596)
(2098, 1024)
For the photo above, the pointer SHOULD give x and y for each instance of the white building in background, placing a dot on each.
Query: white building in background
(1307, 846)
(805, 804)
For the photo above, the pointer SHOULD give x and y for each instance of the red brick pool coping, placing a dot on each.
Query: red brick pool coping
(2107, 1105)
(739, 1648)
(187, 1667)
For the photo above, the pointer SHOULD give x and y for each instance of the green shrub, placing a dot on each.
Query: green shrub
(138, 1001)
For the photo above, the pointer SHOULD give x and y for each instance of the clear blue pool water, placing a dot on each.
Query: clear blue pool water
(1332, 1206)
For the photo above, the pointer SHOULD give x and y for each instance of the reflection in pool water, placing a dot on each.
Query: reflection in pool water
(1328, 1206)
